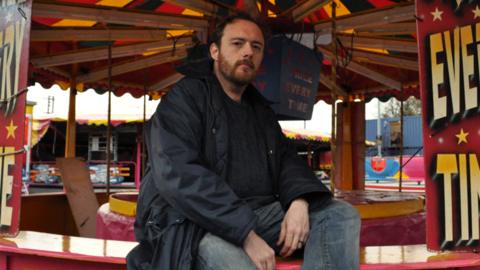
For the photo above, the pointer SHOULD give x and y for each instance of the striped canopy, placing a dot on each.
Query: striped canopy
(148, 39)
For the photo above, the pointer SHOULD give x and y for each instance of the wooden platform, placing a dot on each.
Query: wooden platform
(382, 204)
(42, 251)
(369, 203)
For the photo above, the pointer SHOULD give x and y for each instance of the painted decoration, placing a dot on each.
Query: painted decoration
(449, 53)
(289, 77)
(15, 20)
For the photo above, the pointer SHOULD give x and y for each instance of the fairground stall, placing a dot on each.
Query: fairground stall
(343, 52)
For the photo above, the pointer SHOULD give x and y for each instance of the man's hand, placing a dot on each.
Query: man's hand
(295, 228)
(259, 252)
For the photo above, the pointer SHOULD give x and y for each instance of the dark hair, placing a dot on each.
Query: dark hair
(216, 36)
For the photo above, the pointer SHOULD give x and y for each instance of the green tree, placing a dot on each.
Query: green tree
(411, 106)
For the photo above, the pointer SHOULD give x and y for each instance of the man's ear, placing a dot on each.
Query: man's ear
(214, 51)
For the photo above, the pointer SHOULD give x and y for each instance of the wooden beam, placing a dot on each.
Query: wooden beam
(392, 44)
(251, 8)
(101, 53)
(385, 60)
(392, 14)
(58, 71)
(130, 66)
(306, 8)
(164, 83)
(365, 71)
(384, 88)
(82, 34)
(404, 28)
(116, 15)
(201, 6)
(123, 84)
(338, 90)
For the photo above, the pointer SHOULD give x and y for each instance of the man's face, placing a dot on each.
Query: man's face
(240, 53)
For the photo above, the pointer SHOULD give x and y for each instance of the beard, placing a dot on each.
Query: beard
(230, 73)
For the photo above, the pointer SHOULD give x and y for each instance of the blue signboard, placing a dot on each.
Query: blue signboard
(289, 78)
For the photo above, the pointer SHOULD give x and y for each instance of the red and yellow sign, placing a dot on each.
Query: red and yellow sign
(15, 19)
(449, 55)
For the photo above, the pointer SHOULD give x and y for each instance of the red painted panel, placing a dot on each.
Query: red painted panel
(21, 261)
(15, 30)
(447, 31)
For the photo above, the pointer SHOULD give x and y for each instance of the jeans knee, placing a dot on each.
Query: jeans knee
(351, 214)
(216, 253)
(341, 213)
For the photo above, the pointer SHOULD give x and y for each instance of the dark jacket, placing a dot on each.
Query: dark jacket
(184, 192)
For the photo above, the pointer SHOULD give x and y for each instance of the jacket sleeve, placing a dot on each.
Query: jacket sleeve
(181, 175)
(296, 179)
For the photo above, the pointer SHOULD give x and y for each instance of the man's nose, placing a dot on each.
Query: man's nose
(247, 49)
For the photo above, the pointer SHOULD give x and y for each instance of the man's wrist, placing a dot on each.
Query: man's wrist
(300, 201)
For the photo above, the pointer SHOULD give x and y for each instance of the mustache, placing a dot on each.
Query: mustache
(247, 62)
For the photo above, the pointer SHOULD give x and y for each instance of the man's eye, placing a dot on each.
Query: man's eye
(237, 43)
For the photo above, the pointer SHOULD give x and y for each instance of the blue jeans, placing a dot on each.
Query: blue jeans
(333, 241)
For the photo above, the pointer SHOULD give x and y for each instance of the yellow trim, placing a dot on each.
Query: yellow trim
(122, 207)
(341, 9)
(76, 23)
(397, 176)
(192, 13)
(113, 3)
(390, 209)
(382, 51)
(86, 23)
(176, 33)
(29, 109)
(367, 211)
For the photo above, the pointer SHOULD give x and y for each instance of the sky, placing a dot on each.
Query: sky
(91, 105)
(322, 115)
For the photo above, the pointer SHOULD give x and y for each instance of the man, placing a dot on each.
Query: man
(224, 190)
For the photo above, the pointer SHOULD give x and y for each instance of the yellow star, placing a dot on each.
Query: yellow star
(462, 136)
(476, 12)
(437, 14)
(11, 130)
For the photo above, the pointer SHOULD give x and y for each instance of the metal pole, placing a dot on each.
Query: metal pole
(379, 129)
(334, 98)
(143, 130)
(29, 147)
(109, 116)
(400, 178)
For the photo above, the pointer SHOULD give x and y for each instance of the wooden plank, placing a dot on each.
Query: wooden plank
(365, 71)
(101, 53)
(385, 60)
(251, 8)
(162, 84)
(64, 249)
(116, 15)
(383, 88)
(59, 71)
(306, 8)
(82, 34)
(338, 90)
(392, 14)
(130, 66)
(201, 6)
(404, 28)
(392, 44)
(79, 190)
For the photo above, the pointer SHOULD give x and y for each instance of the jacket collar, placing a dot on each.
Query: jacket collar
(215, 87)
